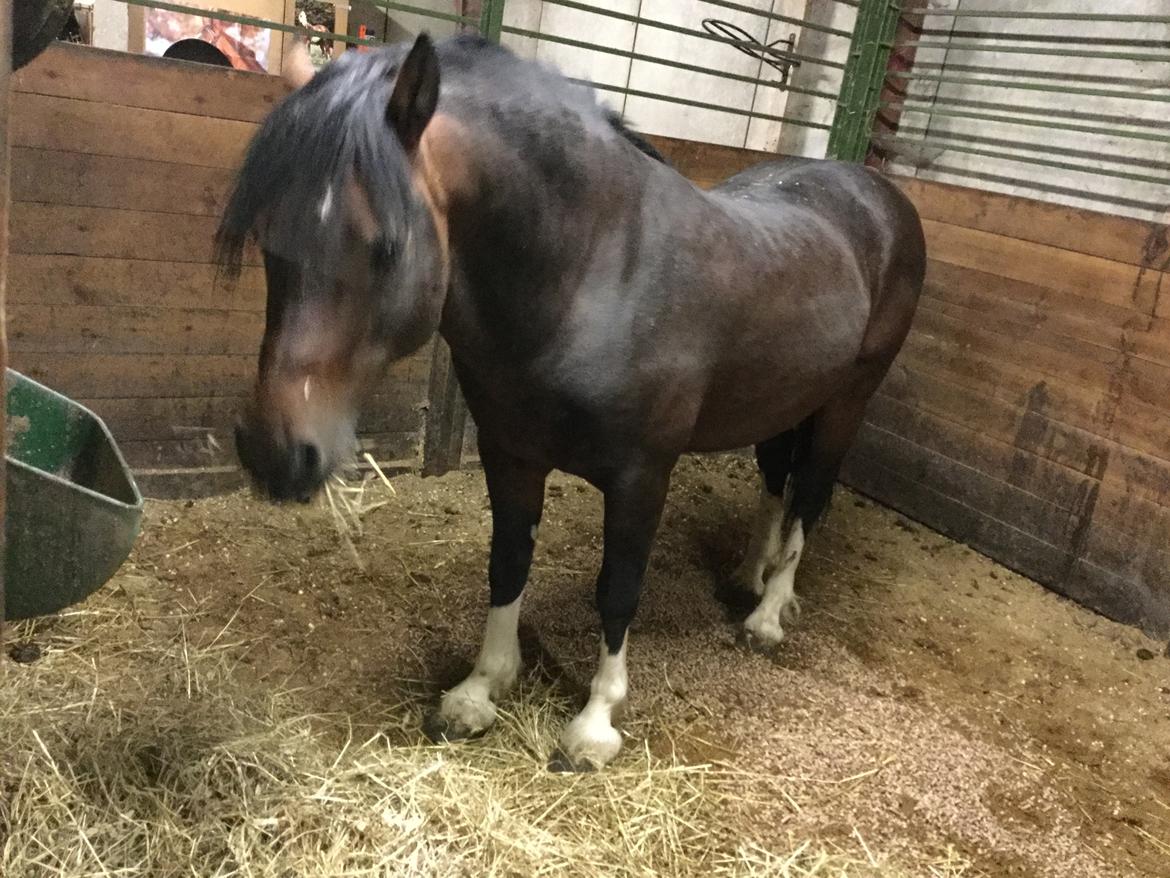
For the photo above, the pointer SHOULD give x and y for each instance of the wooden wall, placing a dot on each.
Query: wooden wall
(1029, 412)
(120, 168)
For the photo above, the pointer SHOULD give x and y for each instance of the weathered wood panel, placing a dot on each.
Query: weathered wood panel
(121, 167)
(1029, 412)
(5, 103)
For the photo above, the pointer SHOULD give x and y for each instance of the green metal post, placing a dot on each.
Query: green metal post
(491, 19)
(861, 83)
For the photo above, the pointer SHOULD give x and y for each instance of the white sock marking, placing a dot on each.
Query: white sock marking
(591, 737)
(470, 704)
(779, 592)
(764, 545)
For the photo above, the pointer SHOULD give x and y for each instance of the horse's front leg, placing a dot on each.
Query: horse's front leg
(516, 493)
(633, 507)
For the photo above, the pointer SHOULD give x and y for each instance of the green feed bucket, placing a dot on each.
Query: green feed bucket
(73, 510)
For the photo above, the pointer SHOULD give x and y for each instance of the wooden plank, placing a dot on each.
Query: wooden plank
(1029, 428)
(96, 376)
(139, 81)
(979, 490)
(195, 453)
(58, 279)
(707, 164)
(1129, 532)
(1100, 279)
(66, 177)
(1120, 598)
(5, 109)
(101, 376)
(65, 230)
(1120, 239)
(1114, 370)
(1108, 415)
(996, 298)
(195, 418)
(45, 122)
(1038, 306)
(85, 329)
(1032, 473)
(977, 356)
(1089, 391)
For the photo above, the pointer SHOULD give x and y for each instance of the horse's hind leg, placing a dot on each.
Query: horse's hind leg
(774, 458)
(815, 465)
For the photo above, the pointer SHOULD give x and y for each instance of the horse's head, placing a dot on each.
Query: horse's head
(337, 193)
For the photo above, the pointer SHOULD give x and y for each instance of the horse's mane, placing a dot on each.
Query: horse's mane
(639, 142)
(336, 126)
(306, 149)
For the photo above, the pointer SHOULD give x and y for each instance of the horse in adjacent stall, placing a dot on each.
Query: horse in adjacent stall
(604, 317)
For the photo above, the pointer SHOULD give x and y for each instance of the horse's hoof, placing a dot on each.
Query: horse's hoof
(440, 730)
(754, 643)
(561, 763)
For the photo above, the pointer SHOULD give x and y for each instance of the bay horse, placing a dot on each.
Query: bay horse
(604, 317)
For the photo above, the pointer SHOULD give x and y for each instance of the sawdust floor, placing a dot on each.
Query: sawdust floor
(927, 699)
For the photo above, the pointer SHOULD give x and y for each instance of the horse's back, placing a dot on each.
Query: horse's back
(868, 214)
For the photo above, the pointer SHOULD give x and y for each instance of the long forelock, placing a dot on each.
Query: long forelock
(317, 140)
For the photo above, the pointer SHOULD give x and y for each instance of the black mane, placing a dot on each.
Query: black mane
(639, 142)
(306, 149)
(336, 126)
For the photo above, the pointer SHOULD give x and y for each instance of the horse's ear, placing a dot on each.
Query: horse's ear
(297, 69)
(416, 93)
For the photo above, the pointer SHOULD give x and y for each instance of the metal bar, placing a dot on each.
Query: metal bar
(1041, 16)
(1043, 38)
(687, 102)
(678, 29)
(1030, 50)
(775, 16)
(869, 53)
(1027, 146)
(1057, 113)
(1131, 81)
(249, 20)
(1004, 180)
(491, 20)
(666, 62)
(1035, 123)
(423, 11)
(1031, 86)
(1160, 180)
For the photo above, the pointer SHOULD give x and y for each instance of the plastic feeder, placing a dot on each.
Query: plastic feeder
(73, 510)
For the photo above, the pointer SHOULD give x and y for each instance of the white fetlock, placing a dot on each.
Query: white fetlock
(779, 601)
(590, 740)
(469, 709)
(764, 545)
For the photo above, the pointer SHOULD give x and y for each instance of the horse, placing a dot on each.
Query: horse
(604, 317)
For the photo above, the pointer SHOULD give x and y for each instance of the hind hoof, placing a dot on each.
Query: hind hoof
(762, 639)
(561, 763)
(441, 730)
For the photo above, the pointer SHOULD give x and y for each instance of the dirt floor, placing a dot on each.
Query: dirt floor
(931, 713)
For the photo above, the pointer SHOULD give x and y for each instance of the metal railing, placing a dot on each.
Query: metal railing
(816, 75)
(988, 104)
